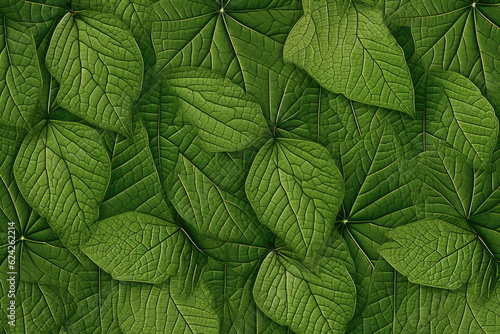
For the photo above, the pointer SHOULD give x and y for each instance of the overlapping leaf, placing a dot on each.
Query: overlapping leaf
(244, 42)
(94, 298)
(233, 301)
(460, 36)
(99, 66)
(346, 47)
(296, 191)
(231, 191)
(38, 266)
(397, 306)
(154, 251)
(134, 183)
(62, 170)
(223, 223)
(146, 308)
(20, 77)
(136, 14)
(225, 117)
(35, 11)
(454, 111)
(434, 252)
(304, 300)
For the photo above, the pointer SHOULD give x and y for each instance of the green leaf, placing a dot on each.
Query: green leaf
(244, 42)
(28, 247)
(348, 120)
(454, 189)
(39, 308)
(485, 206)
(62, 170)
(99, 66)
(446, 312)
(460, 36)
(136, 14)
(238, 166)
(378, 195)
(20, 77)
(374, 189)
(433, 252)
(296, 191)
(225, 117)
(346, 47)
(216, 216)
(154, 251)
(95, 311)
(304, 300)
(134, 183)
(233, 301)
(146, 308)
(454, 111)
(396, 306)
(34, 11)
(10, 142)
(169, 141)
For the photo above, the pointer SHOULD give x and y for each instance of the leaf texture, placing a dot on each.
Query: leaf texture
(305, 188)
(346, 47)
(460, 36)
(60, 185)
(223, 223)
(305, 301)
(158, 309)
(153, 253)
(20, 77)
(99, 66)
(456, 112)
(226, 118)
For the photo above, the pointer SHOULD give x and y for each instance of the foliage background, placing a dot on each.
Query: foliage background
(273, 166)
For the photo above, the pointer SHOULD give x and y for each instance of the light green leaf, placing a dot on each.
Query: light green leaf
(433, 252)
(147, 308)
(168, 142)
(306, 301)
(154, 250)
(215, 215)
(99, 66)
(296, 191)
(346, 47)
(134, 184)
(460, 36)
(225, 117)
(62, 170)
(20, 77)
(454, 111)
(136, 14)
